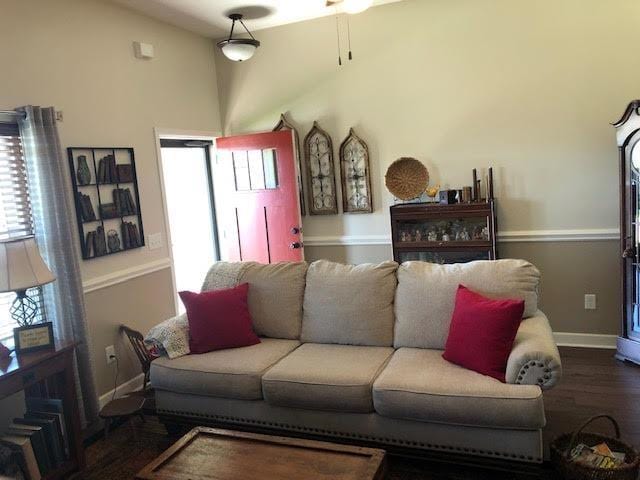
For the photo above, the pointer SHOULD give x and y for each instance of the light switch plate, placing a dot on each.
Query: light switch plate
(590, 301)
(154, 241)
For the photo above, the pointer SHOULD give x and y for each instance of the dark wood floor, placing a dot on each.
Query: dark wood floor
(594, 382)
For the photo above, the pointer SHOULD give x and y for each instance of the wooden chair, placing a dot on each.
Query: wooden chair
(137, 342)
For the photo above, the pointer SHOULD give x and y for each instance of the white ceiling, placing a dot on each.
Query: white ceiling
(209, 17)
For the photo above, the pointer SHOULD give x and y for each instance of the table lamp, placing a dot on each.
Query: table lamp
(22, 268)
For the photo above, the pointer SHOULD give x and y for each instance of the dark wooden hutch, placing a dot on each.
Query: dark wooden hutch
(455, 233)
(628, 138)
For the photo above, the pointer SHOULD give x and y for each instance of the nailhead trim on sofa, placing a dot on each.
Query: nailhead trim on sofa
(544, 377)
(387, 440)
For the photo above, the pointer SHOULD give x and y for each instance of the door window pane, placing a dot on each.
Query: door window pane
(241, 170)
(256, 170)
(270, 168)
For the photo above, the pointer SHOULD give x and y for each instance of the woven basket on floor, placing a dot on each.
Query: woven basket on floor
(406, 178)
(569, 470)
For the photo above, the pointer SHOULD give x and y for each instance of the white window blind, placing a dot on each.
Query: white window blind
(15, 206)
(15, 211)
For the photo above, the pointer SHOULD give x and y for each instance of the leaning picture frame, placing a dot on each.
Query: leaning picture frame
(33, 337)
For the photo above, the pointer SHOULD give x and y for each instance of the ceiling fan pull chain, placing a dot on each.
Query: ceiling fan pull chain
(338, 37)
(349, 38)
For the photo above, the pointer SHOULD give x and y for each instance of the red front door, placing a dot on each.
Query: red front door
(257, 203)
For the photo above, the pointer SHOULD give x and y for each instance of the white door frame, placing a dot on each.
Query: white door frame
(169, 133)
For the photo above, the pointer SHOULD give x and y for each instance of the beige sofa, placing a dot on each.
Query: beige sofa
(354, 353)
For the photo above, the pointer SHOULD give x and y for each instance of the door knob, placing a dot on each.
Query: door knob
(296, 230)
(295, 245)
(629, 252)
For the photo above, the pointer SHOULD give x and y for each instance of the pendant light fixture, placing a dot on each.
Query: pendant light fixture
(238, 49)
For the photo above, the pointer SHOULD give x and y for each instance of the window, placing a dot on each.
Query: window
(15, 211)
(255, 169)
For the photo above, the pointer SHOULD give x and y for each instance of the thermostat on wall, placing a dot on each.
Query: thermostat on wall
(143, 50)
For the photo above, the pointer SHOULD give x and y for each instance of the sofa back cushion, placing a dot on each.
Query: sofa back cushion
(275, 293)
(349, 304)
(426, 295)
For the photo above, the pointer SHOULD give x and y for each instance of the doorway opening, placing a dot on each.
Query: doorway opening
(187, 184)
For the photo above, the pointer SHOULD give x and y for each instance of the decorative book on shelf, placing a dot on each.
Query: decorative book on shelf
(107, 200)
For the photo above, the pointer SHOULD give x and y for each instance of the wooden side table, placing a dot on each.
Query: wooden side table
(49, 373)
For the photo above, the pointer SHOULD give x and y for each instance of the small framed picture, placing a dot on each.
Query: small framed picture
(33, 337)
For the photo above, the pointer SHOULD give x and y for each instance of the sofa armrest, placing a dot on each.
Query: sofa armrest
(534, 359)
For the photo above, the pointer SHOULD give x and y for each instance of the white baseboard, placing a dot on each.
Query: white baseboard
(129, 386)
(588, 340)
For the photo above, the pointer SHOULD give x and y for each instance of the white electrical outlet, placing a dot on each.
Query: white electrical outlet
(154, 241)
(590, 301)
(110, 352)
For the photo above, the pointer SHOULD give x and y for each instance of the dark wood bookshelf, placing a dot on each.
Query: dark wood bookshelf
(463, 232)
(49, 373)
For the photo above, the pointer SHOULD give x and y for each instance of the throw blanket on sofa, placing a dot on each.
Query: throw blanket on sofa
(171, 337)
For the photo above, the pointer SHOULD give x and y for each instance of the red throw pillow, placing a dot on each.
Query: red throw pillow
(482, 332)
(219, 319)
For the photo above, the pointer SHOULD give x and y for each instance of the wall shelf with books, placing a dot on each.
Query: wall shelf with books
(107, 200)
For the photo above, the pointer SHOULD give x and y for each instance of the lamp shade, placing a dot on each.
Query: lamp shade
(21, 266)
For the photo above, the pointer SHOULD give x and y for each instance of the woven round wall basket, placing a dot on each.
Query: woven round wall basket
(569, 470)
(406, 178)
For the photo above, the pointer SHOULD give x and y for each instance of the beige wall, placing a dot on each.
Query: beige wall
(77, 55)
(569, 270)
(141, 303)
(526, 87)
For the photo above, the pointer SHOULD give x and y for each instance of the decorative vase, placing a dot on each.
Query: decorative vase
(83, 174)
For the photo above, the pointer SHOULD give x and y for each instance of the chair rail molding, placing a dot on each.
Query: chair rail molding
(509, 236)
(125, 274)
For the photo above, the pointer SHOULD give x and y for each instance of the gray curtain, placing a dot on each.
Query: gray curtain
(54, 225)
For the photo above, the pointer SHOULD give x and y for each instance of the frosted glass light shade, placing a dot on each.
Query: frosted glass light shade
(238, 49)
(21, 266)
(356, 6)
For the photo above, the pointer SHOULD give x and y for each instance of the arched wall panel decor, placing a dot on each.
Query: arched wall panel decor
(356, 175)
(318, 150)
(283, 124)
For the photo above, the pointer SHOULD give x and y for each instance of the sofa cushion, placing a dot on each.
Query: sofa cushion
(275, 297)
(349, 304)
(275, 293)
(418, 384)
(326, 377)
(233, 373)
(426, 295)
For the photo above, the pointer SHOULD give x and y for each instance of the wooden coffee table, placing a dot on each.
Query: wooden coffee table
(208, 453)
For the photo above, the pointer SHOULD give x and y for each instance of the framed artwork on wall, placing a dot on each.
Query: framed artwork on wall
(283, 124)
(355, 175)
(318, 150)
(105, 188)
